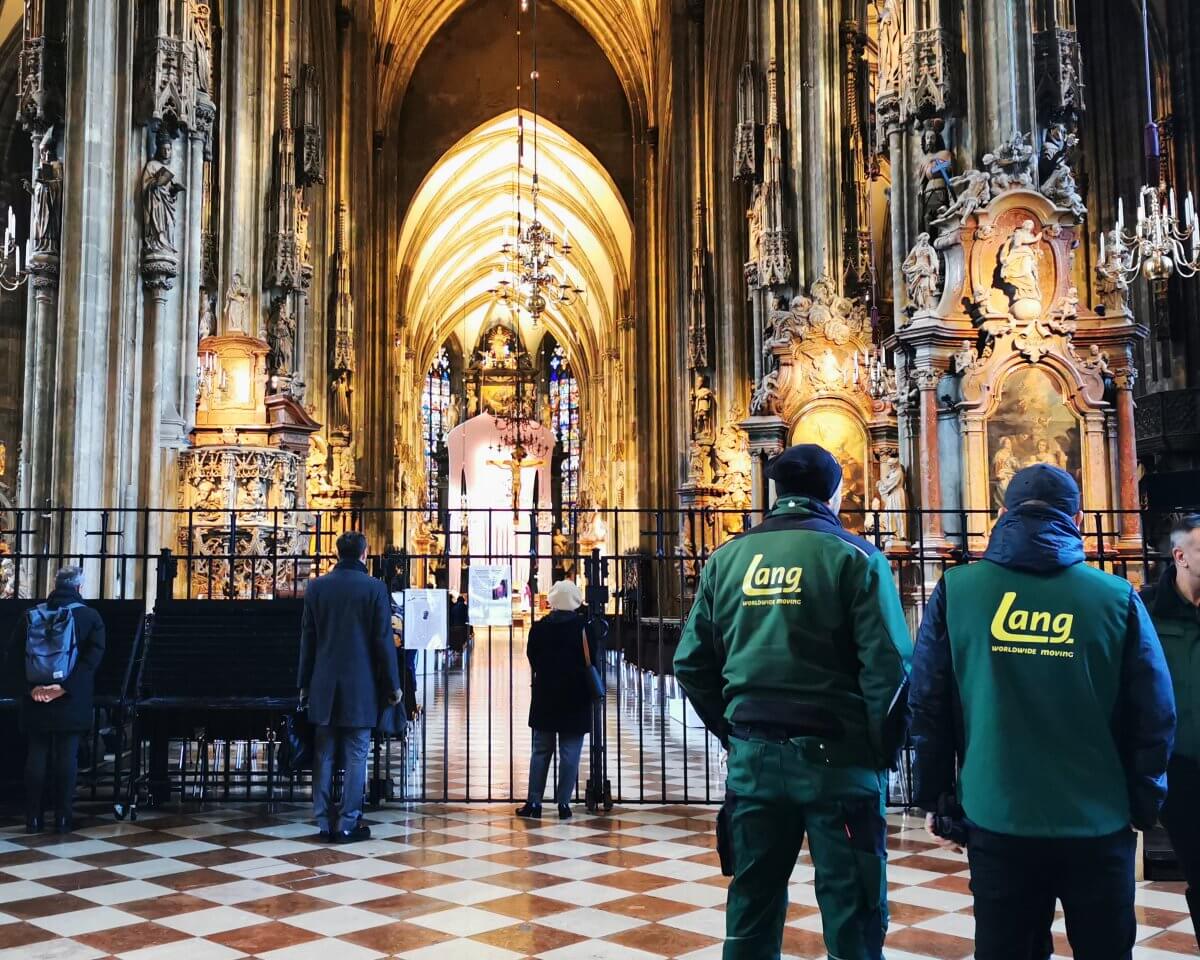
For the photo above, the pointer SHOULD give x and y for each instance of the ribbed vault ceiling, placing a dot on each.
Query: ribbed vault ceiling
(624, 29)
(448, 256)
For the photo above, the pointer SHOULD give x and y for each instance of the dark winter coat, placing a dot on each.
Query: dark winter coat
(562, 699)
(1043, 542)
(347, 656)
(72, 712)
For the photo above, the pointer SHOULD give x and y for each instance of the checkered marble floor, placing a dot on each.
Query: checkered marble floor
(446, 882)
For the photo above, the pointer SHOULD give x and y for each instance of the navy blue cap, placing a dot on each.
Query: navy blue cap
(805, 470)
(1051, 485)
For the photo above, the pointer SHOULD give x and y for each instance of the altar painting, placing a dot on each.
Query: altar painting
(1031, 424)
(844, 436)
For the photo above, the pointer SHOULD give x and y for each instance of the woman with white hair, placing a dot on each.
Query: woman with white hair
(561, 704)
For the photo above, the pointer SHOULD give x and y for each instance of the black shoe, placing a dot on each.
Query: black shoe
(564, 811)
(34, 825)
(324, 836)
(361, 832)
(63, 824)
(531, 811)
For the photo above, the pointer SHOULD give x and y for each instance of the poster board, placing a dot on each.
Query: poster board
(425, 620)
(489, 596)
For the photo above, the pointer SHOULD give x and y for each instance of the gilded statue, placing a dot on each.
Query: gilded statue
(159, 190)
(340, 412)
(202, 35)
(237, 306)
(933, 176)
(1020, 262)
(703, 402)
(46, 191)
(922, 274)
(3, 458)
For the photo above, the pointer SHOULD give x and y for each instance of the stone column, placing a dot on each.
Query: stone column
(1000, 49)
(1129, 523)
(927, 379)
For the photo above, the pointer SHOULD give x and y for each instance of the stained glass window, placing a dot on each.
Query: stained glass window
(435, 402)
(564, 412)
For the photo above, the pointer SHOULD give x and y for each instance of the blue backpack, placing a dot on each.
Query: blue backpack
(51, 648)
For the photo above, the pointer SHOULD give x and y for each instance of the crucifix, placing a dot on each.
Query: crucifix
(514, 464)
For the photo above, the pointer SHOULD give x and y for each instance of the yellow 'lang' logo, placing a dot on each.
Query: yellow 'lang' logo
(1030, 626)
(763, 581)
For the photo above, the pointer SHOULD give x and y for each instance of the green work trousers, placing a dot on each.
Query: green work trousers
(777, 792)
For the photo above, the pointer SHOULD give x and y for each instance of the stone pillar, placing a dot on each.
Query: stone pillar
(1129, 525)
(1000, 50)
(927, 379)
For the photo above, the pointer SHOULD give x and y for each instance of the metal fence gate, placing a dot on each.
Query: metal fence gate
(471, 741)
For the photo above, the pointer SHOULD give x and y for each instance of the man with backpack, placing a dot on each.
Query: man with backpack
(62, 643)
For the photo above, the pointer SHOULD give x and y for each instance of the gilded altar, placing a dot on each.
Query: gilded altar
(242, 482)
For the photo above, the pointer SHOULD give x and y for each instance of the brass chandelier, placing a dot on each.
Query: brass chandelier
(534, 272)
(1161, 243)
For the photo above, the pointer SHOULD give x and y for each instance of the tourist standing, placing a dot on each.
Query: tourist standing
(348, 672)
(1174, 606)
(62, 644)
(559, 650)
(1042, 681)
(795, 657)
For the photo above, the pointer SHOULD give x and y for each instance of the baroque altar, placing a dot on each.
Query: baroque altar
(998, 346)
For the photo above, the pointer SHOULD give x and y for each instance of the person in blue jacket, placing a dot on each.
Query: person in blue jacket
(1041, 680)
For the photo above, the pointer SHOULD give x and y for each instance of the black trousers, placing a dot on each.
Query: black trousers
(1181, 817)
(1016, 881)
(50, 761)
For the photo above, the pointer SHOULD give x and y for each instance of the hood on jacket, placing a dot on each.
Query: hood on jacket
(61, 596)
(1037, 539)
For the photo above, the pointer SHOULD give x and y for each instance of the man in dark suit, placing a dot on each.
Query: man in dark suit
(347, 672)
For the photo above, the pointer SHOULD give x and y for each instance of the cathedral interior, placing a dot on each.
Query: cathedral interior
(532, 290)
(413, 261)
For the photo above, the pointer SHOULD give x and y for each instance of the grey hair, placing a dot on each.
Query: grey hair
(69, 577)
(1182, 528)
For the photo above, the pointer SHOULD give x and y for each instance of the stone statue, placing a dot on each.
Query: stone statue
(895, 498)
(202, 35)
(472, 399)
(159, 190)
(237, 306)
(966, 358)
(703, 401)
(933, 177)
(284, 337)
(1020, 260)
(756, 224)
(1055, 173)
(1011, 164)
(47, 192)
(700, 465)
(207, 320)
(973, 191)
(891, 39)
(340, 408)
(922, 274)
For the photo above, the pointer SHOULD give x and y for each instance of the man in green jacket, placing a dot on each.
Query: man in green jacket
(795, 656)
(1174, 605)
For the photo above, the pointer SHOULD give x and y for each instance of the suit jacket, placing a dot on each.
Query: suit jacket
(347, 657)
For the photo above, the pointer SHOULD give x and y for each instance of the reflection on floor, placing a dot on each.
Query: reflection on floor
(473, 740)
(446, 882)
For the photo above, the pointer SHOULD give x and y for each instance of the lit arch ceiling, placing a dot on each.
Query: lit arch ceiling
(624, 29)
(449, 251)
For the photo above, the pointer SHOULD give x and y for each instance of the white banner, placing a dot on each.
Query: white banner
(489, 596)
(425, 622)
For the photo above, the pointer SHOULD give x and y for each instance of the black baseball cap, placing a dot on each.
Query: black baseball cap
(1046, 483)
(806, 470)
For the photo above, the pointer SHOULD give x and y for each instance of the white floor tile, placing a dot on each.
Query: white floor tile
(203, 923)
(368, 867)
(463, 921)
(24, 890)
(52, 950)
(154, 867)
(352, 891)
(583, 894)
(239, 891)
(40, 869)
(322, 950)
(335, 921)
(597, 950)
(85, 921)
(708, 923)
(179, 848)
(192, 949)
(127, 891)
(460, 950)
(591, 923)
(693, 894)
